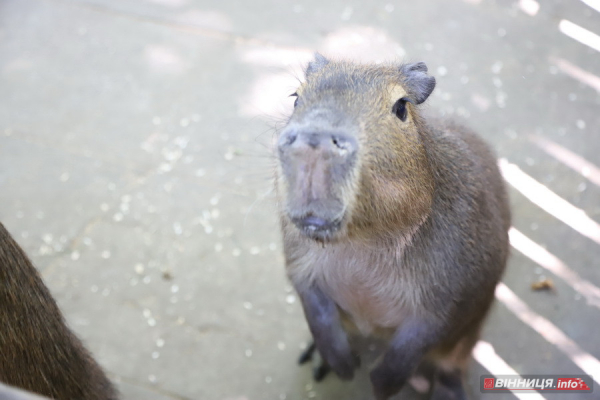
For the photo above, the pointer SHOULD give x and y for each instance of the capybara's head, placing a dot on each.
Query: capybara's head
(351, 155)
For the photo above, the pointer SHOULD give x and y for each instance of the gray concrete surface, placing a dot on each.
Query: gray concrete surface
(135, 170)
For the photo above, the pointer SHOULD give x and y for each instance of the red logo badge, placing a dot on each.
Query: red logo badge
(571, 384)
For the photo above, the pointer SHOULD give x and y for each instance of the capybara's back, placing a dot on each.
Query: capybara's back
(38, 352)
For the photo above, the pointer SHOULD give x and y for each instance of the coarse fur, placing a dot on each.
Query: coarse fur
(420, 238)
(38, 352)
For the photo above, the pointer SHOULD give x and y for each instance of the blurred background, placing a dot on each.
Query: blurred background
(135, 170)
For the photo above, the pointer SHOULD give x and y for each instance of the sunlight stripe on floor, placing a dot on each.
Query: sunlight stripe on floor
(585, 361)
(577, 73)
(595, 4)
(550, 201)
(545, 259)
(570, 159)
(485, 355)
(580, 34)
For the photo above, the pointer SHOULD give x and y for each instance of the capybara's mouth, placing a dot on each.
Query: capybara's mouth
(317, 228)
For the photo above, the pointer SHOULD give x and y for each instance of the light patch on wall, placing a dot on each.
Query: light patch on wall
(278, 57)
(282, 70)
(170, 3)
(481, 102)
(164, 59)
(206, 19)
(363, 44)
(18, 64)
(530, 7)
(270, 96)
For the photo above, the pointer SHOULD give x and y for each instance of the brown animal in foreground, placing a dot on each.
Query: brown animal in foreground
(38, 352)
(394, 227)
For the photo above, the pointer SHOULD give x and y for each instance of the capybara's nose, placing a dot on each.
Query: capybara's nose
(338, 143)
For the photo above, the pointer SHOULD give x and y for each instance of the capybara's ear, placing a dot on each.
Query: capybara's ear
(318, 63)
(417, 82)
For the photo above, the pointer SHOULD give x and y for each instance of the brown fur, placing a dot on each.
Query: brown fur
(426, 214)
(38, 352)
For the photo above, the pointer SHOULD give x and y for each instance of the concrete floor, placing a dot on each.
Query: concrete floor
(135, 170)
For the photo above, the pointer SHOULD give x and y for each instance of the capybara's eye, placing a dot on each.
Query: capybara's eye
(399, 108)
(295, 101)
